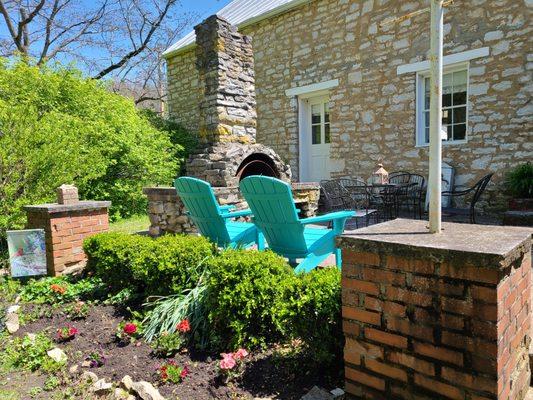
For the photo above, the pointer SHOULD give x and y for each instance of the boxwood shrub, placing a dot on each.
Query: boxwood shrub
(159, 266)
(247, 298)
(316, 313)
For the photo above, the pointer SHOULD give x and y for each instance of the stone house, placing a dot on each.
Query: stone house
(338, 91)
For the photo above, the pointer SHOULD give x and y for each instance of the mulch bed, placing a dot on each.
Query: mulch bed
(268, 374)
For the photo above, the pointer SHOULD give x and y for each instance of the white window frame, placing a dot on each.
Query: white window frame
(420, 126)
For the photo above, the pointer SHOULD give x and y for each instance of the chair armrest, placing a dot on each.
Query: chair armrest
(236, 214)
(328, 217)
(226, 209)
(456, 192)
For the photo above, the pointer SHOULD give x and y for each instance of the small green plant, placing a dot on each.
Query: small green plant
(57, 290)
(9, 288)
(169, 343)
(128, 332)
(66, 333)
(77, 310)
(172, 372)
(35, 391)
(232, 365)
(29, 353)
(96, 359)
(520, 181)
(51, 383)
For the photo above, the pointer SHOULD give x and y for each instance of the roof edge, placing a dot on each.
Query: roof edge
(250, 21)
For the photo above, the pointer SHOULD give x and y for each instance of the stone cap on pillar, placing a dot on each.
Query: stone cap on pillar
(481, 245)
(55, 208)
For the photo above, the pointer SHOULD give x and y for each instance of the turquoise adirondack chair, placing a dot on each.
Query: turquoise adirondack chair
(286, 234)
(215, 221)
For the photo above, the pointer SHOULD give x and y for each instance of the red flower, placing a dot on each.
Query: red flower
(184, 326)
(130, 328)
(57, 288)
(72, 331)
(184, 372)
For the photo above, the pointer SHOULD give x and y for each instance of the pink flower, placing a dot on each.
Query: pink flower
(240, 354)
(227, 362)
(72, 331)
(184, 372)
(130, 328)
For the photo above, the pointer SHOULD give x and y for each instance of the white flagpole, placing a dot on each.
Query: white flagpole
(435, 117)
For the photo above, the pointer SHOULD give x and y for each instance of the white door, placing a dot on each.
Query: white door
(318, 139)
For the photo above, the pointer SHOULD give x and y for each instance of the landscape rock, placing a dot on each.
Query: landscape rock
(74, 369)
(127, 382)
(31, 336)
(86, 364)
(89, 376)
(146, 391)
(57, 355)
(121, 394)
(317, 393)
(101, 387)
(13, 309)
(12, 322)
(337, 393)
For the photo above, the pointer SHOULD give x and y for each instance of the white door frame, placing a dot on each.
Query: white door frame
(304, 131)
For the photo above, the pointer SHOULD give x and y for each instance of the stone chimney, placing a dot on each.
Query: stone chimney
(225, 63)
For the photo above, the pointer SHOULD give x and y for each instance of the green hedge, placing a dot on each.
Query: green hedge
(159, 266)
(247, 297)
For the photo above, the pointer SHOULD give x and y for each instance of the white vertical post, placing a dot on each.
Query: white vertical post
(435, 117)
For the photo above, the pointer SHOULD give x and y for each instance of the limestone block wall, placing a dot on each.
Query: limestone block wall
(183, 91)
(373, 108)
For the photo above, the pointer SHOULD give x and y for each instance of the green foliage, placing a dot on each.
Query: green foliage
(77, 310)
(183, 141)
(9, 289)
(62, 289)
(30, 354)
(159, 266)
(168, 344)
(247, 297)
(520, 181)
(57, 127)
(316, 313)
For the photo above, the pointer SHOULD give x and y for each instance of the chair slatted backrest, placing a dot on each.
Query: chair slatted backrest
(200, 202)
(480, 186)
(272, 205)
(337, 198)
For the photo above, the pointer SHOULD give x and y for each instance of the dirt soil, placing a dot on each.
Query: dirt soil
(268, 375)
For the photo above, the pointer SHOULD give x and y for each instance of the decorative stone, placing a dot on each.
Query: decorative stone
(89, 376)
(57, 355)
(338, 394)
(146, 391)
(74, 369)
(13, 309)
(12, 322)
(101, 387)
(127, 382)
(317, 393)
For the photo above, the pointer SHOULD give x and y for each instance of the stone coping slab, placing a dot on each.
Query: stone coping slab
(480, 245)
(54, 208)
(160, 190)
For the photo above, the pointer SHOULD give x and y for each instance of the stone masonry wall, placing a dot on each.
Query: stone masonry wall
(434, 323)
(373, 108)
(183, 92)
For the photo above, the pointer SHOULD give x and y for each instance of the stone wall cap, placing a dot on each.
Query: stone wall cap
(79, 206)
(305, 185)
(163, 190)
(477, 243)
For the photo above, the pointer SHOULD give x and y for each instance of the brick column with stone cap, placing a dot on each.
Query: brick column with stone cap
(66, 224)
(432, 317)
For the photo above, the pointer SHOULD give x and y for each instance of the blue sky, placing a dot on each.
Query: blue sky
(202, 8)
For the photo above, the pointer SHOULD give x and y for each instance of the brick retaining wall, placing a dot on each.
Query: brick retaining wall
(424, 322)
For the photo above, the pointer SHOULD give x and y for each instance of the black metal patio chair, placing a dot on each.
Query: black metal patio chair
(360, 198)
(476, 191)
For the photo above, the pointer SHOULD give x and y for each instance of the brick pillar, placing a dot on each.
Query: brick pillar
(436, 316)
(66, 226)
